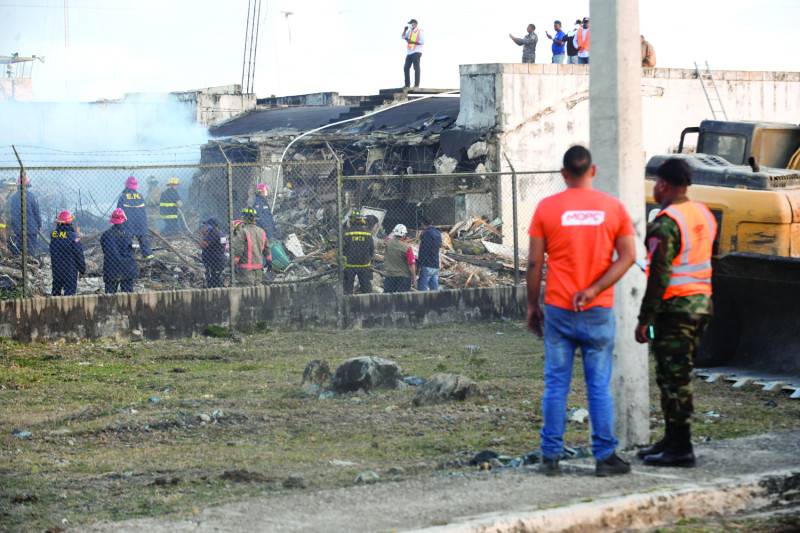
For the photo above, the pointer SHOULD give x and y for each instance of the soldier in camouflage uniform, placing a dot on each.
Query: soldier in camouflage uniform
(677, 305)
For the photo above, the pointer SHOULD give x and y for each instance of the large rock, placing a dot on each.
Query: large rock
(317, 373)
(367, 373)
(445, 165)
(446, 387)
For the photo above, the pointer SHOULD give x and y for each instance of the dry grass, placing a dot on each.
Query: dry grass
(101, 449)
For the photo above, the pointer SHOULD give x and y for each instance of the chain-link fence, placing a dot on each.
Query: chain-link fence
(112, 225)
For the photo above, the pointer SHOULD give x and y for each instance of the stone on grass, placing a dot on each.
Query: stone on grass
(446, 387)
(317, 373)
(579, 415)
(367, 373)
(367, 476)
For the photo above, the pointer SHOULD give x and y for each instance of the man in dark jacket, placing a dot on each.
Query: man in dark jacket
(428, 261)
(170, 203)
(213, 255)
(261, 205)
(357, 251)
(33, 222)
(132, 203)
(66, 256)
(119, 266)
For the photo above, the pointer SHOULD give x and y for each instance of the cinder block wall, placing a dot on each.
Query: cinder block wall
(181, 314)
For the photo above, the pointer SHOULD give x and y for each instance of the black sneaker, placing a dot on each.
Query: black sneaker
(611, 466)
(550, 467)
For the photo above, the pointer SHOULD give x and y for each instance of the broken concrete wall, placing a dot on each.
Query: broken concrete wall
(537, 111)
(215, 105)
(181, 314)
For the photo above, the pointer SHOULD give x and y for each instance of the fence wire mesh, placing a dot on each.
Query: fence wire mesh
(178, 221)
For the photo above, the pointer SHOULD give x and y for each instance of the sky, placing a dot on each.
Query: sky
(102, 49)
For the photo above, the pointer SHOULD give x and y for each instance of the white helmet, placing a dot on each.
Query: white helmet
(399, 230)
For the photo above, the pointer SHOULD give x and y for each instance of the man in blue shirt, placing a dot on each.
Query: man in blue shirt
(428, 262)
(558, 43)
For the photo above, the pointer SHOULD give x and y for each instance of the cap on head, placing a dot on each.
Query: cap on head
(413, 21)
(173, 181)
(557, 22)
(213, 221)
(117, 217)
(131, 183)
(64, 217)
(400, 230)
(248, 213)
(586, 19)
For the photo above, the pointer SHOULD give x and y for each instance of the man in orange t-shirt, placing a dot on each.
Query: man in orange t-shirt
(579, 229)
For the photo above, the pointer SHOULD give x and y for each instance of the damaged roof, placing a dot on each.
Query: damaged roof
(428, 116)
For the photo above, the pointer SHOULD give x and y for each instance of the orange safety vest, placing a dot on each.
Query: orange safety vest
(691, 268)
(581, 44)
(414, 37)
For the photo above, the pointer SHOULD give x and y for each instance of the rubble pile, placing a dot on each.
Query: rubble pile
(468, 259)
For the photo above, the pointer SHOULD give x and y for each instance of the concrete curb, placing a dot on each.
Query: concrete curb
(724, 497)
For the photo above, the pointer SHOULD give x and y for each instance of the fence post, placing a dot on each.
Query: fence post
(514, 211)
(229, 173)
(23, 197)
(339, 216)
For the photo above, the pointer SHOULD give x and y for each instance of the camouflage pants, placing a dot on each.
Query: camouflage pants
(677, 336)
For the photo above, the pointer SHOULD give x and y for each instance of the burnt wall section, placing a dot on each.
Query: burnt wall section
(182, 314)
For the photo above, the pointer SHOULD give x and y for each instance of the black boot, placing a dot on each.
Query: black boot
(659, 446)
(679, 451)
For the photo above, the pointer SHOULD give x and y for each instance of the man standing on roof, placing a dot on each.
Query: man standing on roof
(415, 39)
(528, 44)
(399, 263)
(582, 42)
(676, 306)
(579, 229)
(358, 249)
(169, 205)
(572, 48)
(558, 43)
(135, 217)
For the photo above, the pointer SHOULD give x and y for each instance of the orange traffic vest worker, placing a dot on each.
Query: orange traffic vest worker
(691, 268)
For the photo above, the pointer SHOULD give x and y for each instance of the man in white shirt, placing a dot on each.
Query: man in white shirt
(415, 39)
(582, 42)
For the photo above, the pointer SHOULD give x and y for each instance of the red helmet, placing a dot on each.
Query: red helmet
(262, 187)
(64, 217)
(131, 183)
(27, 180)
(117, 217)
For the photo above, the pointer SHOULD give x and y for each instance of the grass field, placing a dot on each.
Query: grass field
(121, 430)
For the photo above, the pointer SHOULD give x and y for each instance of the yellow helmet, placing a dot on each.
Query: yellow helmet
(173, 181)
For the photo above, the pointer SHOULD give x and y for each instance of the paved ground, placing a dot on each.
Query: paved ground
(733, 475)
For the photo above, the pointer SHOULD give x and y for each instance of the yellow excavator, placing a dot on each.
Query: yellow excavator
(748, 174)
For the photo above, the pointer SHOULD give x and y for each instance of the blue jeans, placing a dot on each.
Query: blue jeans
(428, 279)
(572, 60)
(593, 332)
(559, 58)
(583, 60)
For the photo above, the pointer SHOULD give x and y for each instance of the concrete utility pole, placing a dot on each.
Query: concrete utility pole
(615, 114)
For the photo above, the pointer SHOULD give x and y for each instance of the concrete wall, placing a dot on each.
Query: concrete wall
(537, 111)
(180, 314)
(214, 105)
